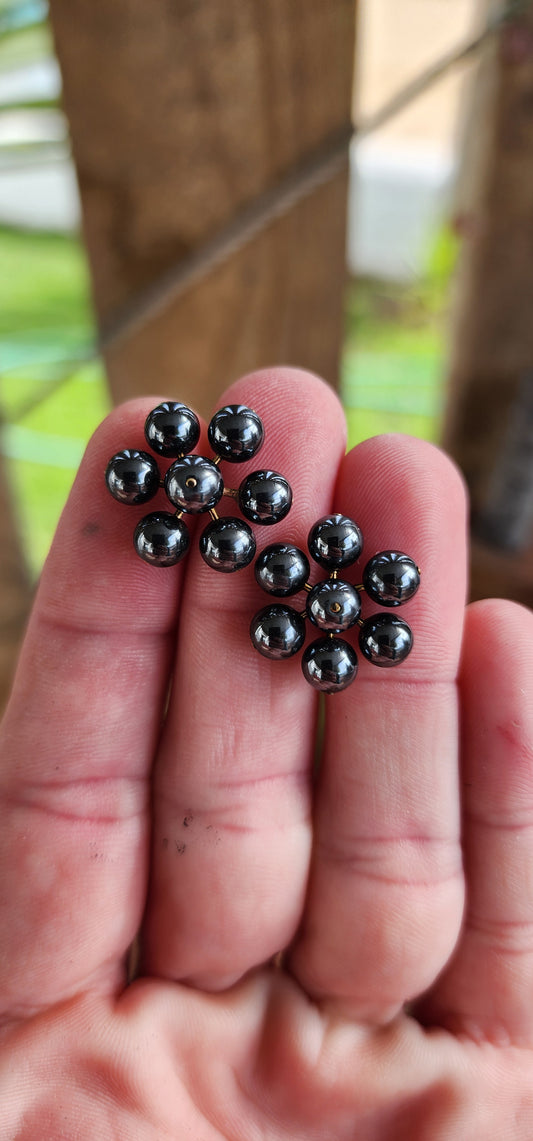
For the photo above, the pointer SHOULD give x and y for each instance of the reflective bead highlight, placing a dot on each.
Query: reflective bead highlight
(282, 569)
(391, 578)
(227, 545)
(385, 640)
(334, 605)
(329, 664)
(265, 497)
(277, 632)
(161, 539)
(172, 429)
(335, 541)
(132, 476)
(194, 484)
(236, 433)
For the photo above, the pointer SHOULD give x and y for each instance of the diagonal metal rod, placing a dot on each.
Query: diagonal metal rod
(448, 62)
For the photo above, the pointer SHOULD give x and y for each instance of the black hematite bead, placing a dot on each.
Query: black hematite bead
(329, 664)
(385, 640)
(277, 632)
(334, 605)
(391, 578)
(236, 433)
(282, 569)
(335, 541)
(227, 544)
(161, 539)
(132, 476)
(194, 484)
(265, 497)
(172, 429)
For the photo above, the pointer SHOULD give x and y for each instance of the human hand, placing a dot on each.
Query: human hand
(401, 1012)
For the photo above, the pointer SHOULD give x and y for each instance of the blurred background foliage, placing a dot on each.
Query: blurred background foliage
(53, 391)
(52, 386)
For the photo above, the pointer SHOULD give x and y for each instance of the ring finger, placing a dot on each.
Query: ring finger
(385, 897)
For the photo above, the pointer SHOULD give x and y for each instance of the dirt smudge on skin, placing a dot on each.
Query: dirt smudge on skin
(91, 528)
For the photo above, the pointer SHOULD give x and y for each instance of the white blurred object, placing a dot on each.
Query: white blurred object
(38, 80)
(40, 196)
(399, 194)
(38, 189)
(20, 127)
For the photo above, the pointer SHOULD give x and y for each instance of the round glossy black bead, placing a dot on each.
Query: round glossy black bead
(194, 484)
(132, 476)
(277, 632)
(282, 569)
(236, 433)
(335, 541)
(161, 539)
(265, 497)
(172, 429)
(329, 664)
(334, 605)
(385, 640)
(391, 578)
(227, 544)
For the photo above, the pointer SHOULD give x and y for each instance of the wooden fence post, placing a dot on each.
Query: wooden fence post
(182, 115)
(489, 428)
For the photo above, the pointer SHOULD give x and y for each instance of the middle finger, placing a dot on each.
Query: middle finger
(386, 891)
(232, 827)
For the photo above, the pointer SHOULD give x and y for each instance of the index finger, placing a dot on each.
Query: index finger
(78, 740)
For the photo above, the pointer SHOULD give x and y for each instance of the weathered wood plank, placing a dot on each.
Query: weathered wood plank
(181, 115)
(490, 417)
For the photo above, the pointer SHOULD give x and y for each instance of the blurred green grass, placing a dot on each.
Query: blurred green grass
(53, 391)
(52, 395)
(44, 289)
(394, 359)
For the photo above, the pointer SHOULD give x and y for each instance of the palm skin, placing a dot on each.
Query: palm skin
(399, 882)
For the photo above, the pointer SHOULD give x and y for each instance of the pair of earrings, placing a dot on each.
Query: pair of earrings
(194, 485)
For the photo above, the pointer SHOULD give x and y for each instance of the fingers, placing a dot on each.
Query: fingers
(386, 889)
(486, 991)
(232, 789)
(78, 741)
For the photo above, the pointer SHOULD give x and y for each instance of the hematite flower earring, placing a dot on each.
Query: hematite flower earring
(333, 605)
(194, 485)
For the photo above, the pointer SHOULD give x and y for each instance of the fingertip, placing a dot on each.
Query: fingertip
(405, 491)
(92, 576)
(273, 390)
(497, 650)
(408, 496)
(123, 427)
(416, 467)
(502, 613)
